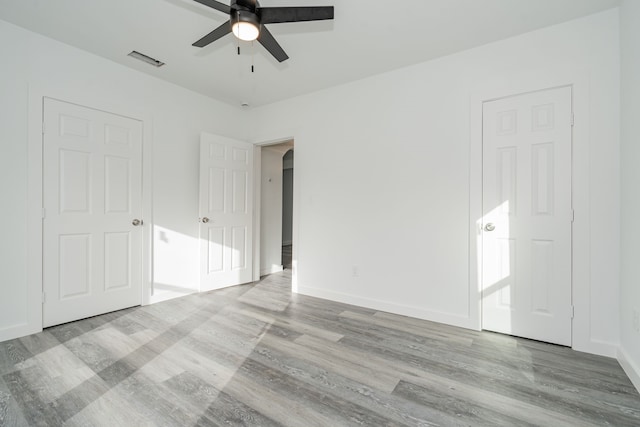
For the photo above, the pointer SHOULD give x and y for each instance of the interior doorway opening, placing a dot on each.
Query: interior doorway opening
(276, 208)
(287, 210)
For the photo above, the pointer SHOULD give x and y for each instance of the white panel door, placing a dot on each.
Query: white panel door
(226, 212)
(527, 215)
(92, 252)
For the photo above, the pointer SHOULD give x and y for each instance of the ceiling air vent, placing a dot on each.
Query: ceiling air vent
(144, 58)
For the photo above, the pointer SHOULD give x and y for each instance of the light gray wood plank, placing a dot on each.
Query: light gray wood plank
(292, 324)
(403, 325)
(26, 394)
(227, 411)
(38, 343)
(12, 353)
(10, 412)
(318, 400)
(357, 370)
(281, 408)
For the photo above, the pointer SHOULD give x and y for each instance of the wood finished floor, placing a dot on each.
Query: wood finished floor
(257, 355)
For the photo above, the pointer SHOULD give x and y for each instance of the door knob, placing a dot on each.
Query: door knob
(489, 227)
(205, 220)
(136, 222)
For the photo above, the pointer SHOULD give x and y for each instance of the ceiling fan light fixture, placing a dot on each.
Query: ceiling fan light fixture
(246, 31)
(245, 25)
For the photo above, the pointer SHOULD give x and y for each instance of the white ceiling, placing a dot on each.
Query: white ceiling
(367, 37)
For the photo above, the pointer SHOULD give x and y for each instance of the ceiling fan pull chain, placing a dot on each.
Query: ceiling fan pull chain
(252, 55)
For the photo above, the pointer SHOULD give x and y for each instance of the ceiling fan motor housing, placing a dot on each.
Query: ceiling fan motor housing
(240, 15)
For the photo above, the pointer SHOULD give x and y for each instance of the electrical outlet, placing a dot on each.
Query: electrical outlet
(636, 320)
(355, 271)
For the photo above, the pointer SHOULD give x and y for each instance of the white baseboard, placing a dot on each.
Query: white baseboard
(403, 310)
(271, 270)
(630, 368)
(167, 295)
(164, 292)
(598, 347)
(17, 331)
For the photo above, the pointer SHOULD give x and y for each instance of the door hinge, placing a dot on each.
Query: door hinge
(573, 215)
(44, 297)
(43, 128)
(572, 312)
(573, 119)
(44, 213)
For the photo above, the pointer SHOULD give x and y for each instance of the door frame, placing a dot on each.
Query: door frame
(565, 122)
(580, 188)
(36, 95)
(257, 211)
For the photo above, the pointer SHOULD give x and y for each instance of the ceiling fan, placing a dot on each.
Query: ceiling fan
(247, 19)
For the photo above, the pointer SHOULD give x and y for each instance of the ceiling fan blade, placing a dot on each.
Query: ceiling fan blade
(267, 40)
(274, 15)
(251, 4)
(216, 5)
(214, 35)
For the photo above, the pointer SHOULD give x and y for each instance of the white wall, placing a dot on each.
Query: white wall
(271, 210)
(630, 180)
(174, 118)
(385, 224)
(287, 199)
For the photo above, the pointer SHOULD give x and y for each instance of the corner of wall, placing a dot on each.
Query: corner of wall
(629, 351)
(630, 368)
